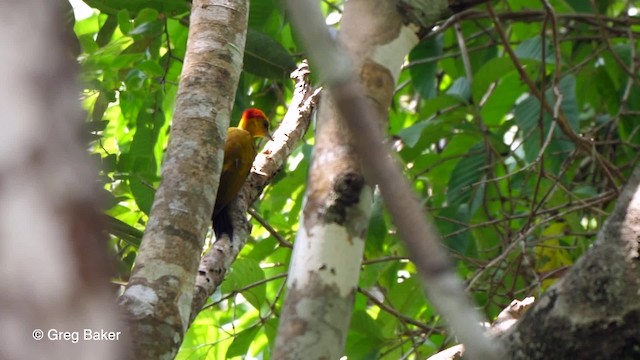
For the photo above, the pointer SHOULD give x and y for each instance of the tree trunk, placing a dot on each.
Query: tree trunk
(159, 294)
(55, 269)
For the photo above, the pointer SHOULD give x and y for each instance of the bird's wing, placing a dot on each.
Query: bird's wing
(239, 153)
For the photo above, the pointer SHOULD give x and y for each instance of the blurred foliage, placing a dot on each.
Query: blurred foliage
(515, 199)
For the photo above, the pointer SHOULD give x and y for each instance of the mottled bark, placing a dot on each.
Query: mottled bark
(55, 268)
(594, 311)
(159, 294)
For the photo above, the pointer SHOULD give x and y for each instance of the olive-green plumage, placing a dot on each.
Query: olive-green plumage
(239, 152)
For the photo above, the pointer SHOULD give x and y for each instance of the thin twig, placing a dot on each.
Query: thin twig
(265, 224)
(397, 314)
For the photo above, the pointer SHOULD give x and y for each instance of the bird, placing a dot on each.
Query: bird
(239, 152)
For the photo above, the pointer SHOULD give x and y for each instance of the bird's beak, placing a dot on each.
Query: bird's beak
(269, 136)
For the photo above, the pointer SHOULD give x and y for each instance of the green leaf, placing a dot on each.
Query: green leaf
(106, 31)
(492, 71)
(88, 44)
(264, 56)
(124, 21)
(363, 323)
(142, 146)
(99, 107)
(261, 11)
(433, 129)
(246, 271)
(460, 89)
(502, 99)
(151, 68)
(581, 6)
(439, 103)
(148, 27)
(424, 64)
(569, 104)
(407, 296)
(411, 135)
(96, 126)
(377, 227)
(612, 66)
(532, 49)
(124, 231)
(271, 330)
(585, 191)
(365, 336)
(480, 58)
(468, 171)
(527, 115)
(361, 347)
(142, 193)
(371, 273)
(241, 342)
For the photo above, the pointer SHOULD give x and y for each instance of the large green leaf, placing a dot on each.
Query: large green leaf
(261, 11)
(492, 71)
(264, 56)
(142, 193)
(124, 231)
(377, 227)
(364, 333)
(106, 31)
(241, 342)
(502, 99)
(460, 89)
(527, 116)
(468, 171)
(244, 272)
(424, 64)
(532, 49)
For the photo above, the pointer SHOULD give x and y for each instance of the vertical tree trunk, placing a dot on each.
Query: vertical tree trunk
(158, 298)
(323, 275)
(54, 274)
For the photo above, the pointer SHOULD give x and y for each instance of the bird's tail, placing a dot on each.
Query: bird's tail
(222, 223)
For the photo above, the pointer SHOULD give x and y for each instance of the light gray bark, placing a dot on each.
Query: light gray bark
(158, 297)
